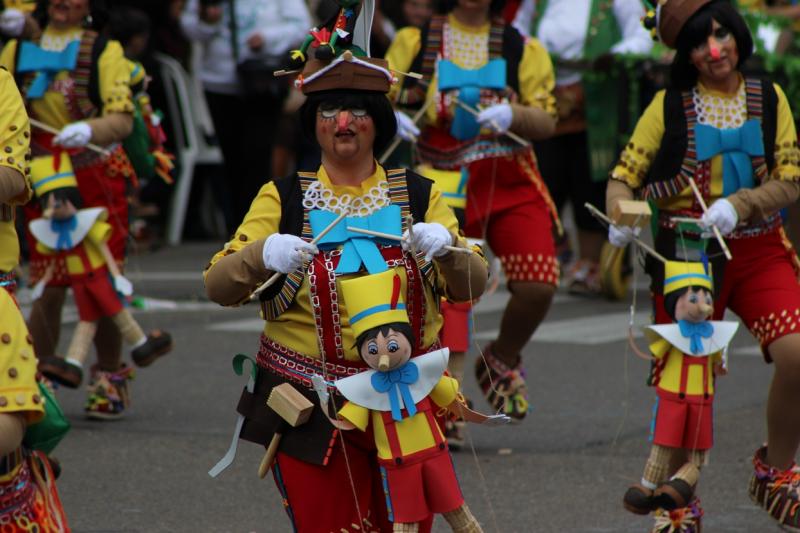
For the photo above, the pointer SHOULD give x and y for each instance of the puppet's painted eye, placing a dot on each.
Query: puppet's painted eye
(372, 348)
(393, 346)
(693, 299)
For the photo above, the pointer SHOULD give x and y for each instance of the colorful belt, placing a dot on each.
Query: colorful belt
(15, 493)
(8, 280)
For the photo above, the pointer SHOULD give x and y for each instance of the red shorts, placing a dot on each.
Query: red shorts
(424, 484)
(95, 296)
(508, 205)
(761, 286)
(682, 424)
(455, 331)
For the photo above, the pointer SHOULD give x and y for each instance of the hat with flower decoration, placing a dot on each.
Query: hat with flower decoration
(666, 18)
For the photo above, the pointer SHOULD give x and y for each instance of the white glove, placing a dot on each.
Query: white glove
(406, 128)
(497, 117)
(123, 285)
(621, 236)
(429, 239)
(12, 22)
(37, 290)
(721, 214)
(321, 388)
(497, 420)
(75, 135)
(285, 253)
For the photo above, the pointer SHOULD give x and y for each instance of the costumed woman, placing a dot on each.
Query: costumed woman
(735, 138)
(469, 57)
(28, 496)
(329, 480)
(575, 162)
(76, 82)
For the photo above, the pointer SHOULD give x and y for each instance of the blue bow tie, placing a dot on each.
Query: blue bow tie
(469, 84)
(46, 64)
(64, 229)
(357, 248)
(736, 145)
(395, 380)
(694, 331)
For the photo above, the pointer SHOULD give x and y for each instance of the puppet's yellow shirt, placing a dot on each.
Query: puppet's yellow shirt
(721, 111)
(113, 79)
(671, 373)
(414, 433)
(98, 234)
(469, 49)
(295, 328)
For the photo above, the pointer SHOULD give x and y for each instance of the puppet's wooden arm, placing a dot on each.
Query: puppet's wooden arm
(460, 409)
(111, 263)
(321, 388)
(636, 349)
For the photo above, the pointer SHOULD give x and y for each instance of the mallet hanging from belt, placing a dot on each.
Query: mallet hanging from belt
(294, 409)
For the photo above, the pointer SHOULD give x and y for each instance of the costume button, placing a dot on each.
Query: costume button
(13, 127)
(243, 237)
(24, 355)
(37, 399)
(682, 396)
(12, 372)
(8, 149)
(3, 401)
(441, 445)
(5, 338)
(20, 399)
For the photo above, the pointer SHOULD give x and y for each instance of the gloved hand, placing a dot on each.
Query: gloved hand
(75, 135)
(285, 253)
(37, 290)
(621, 236)
(123, 285)
(721, 214)
(12, 22)
(321, 388)
(497, 420)
(429, 238)
(406, 128)
(497, 117)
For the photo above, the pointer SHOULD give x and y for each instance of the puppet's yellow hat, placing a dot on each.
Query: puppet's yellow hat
(49, 173)
(374, 300)
(680, 274)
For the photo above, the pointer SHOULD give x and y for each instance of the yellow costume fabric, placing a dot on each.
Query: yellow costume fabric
(19, 392)
(16, 131)
(671, 373)
(114, 78)
(721, 111)
(414, 433)
(98, 234)
(470, 50)
(296, 328)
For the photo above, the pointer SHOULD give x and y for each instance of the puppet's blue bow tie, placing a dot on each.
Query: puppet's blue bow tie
(397, 379)
(694, 331)
(64, 229)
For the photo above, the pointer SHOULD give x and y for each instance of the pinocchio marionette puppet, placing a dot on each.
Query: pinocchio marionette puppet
(687, 355)
(80, 236)
(400, 396)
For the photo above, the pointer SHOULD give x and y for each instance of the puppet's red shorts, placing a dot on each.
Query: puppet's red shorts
(508, 205)
(423, 484)
(684, 424)
(95, 296)
(455, 331)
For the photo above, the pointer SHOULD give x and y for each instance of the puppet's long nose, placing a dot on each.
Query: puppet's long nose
(383, 363)
(706, 309)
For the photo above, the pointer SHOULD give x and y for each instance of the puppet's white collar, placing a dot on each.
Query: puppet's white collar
(723, 333)
(43, 232)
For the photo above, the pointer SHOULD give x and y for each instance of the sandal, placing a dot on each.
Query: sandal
(503, 386)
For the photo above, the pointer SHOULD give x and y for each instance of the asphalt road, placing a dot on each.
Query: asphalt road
(564, 469)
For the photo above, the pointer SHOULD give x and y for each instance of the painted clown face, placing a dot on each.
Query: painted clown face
(67, 13)
(386, 353)
(716, 58)
(345, 133)
(694, 306)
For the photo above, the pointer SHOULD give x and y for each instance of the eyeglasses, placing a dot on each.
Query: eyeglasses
(722, 35)
(331, 112)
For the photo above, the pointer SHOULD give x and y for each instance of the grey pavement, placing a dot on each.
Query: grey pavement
(564, 469)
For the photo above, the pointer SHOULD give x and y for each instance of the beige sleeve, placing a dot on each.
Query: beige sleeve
(616, 191)
(111, 128)
(234, 276)
(532, 122)
(12, 429)
(12, 185)
(766, 199)
(465, 274)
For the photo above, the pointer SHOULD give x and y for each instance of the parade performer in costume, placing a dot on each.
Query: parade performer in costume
(28, 495)
(399, 397)
(469, 57)
(688, 354)
(307, 330)
(576, 161)
(79, 237)
(76, 81)
(734, 139)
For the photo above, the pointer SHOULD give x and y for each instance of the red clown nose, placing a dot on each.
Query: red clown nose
(714, 51)
(342, 120)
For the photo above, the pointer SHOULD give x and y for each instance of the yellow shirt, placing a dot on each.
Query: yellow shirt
(295, 328)
(113, 79)
(414, 433)
(671, 373)
(470, 50)
(98, 234)
(723, 110)
(19, 392)
(14, 146)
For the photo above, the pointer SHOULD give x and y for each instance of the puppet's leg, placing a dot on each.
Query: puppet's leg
(45, 320)
(398, 527)
(462, 521)
(69, 371)
(639, 498)
(678, 490)
(146, 348)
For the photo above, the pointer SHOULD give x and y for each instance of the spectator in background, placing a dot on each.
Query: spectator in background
(235, 35)
(415, 13)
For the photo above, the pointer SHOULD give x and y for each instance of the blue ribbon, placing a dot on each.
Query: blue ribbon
(736, 145)
(469, 83)
(64, 228)
(394, 381)
(696, 330)
(46, 64)
(357, 248)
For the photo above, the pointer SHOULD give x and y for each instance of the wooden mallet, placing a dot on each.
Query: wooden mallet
(631, 213)
(294, 410)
